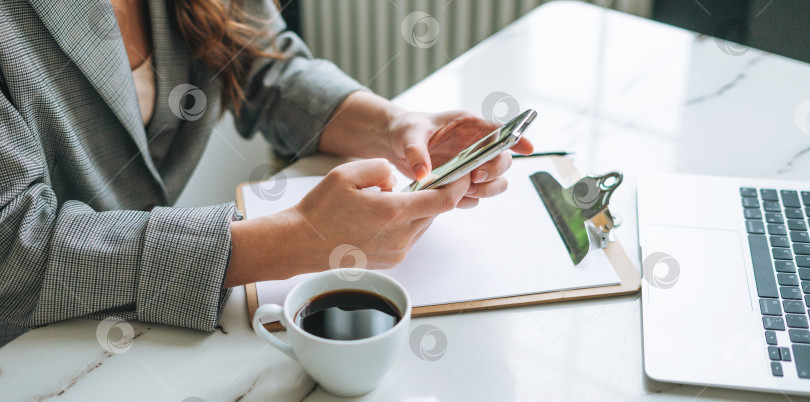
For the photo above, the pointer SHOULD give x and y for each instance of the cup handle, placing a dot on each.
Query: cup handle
(276, 311)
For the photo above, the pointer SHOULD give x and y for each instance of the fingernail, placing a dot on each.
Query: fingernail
(480, 176)
(419, 170)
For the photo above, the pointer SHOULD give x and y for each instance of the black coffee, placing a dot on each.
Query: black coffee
(347, 315)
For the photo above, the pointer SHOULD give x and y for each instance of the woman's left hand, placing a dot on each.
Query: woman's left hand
(421, 141)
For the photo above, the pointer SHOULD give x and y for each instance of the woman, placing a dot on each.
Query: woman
(100, 129)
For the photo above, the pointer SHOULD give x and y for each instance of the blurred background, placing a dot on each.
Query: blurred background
(363, 36)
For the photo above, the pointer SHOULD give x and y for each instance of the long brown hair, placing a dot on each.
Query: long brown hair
(223, 38)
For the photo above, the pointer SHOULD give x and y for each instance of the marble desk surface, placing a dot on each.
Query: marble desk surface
(621, 93)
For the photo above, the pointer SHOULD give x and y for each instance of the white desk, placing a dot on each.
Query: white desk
(622, 93)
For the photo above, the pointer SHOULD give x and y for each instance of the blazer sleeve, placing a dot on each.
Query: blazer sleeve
(60, 260)
(289, 100)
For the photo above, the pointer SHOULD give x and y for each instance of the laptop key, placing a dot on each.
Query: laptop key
(807, 212)
(794, 224)
(775, 323)
(755, 227)
(806, 197)
(750, 203)
(807, 300)
(782, 254)
(763, 268)
(780, 241)
(801, 248)
(775, 229)
(796, 321)
(793, 306)
(785, 266)
(790, 213)
(776, 369)
(770, 307)
(774, 217)
(769, 195)
(790, 292)
(802, 260)
(806, 287)
(787, 279)
(773, 353)
(801, 355)
(785, 354)
(797, 237)
(790, 199)
(804, 274)
(770, 338)
(799, 335)
(771, 206)
(748, 192)
(756, 213)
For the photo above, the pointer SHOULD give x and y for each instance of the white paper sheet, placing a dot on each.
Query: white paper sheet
(506, 246)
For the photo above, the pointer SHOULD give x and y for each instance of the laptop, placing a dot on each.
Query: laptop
(726, 289)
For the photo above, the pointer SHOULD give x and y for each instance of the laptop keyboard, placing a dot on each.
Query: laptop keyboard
(776, 222)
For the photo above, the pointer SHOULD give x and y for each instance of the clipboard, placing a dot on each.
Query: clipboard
(619, 260)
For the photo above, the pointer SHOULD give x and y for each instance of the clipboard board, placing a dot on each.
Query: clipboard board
(630, 281)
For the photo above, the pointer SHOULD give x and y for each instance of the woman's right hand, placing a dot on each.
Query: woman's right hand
(381, 224)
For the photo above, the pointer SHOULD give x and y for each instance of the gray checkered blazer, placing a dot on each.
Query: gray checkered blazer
(86, 223)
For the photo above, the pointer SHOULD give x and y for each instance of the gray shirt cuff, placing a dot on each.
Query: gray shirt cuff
(185, 257)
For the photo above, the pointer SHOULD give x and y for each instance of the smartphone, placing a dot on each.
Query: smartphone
(476, 154)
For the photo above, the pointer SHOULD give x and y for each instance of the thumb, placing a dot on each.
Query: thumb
(367, 173)
(426, 203)
(416, 152)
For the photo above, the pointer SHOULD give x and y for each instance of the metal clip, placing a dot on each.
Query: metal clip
(572, 208)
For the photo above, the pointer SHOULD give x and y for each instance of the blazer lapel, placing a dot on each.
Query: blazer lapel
(87, 31)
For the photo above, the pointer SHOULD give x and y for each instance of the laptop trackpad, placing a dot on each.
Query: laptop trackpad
(706, 269)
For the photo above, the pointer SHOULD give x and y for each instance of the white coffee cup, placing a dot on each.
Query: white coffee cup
(344, 368)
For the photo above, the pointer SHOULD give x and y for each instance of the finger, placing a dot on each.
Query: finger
(414, 141)
(418, 223)
(488, 189)
(467, 203)
(426, 203)
(492, 169)
(456, 131)
(420, 233)
(523, 146)
(400, 239)
(466, 125)
(462, 125)
(366, 173)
